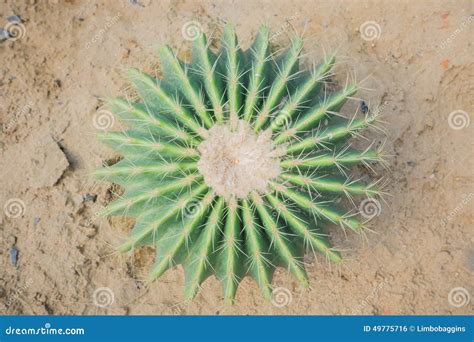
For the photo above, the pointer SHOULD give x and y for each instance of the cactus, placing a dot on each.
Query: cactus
(233, 164)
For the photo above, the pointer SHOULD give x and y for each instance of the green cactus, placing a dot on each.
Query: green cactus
(233, 163)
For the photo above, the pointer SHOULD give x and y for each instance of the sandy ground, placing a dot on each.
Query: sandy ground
(56, 258)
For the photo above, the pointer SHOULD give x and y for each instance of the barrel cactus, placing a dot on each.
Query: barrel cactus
(233, 164)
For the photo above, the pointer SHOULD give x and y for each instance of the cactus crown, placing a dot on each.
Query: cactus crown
(233, 162)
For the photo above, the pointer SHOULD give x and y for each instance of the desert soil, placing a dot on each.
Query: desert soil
(56, 256)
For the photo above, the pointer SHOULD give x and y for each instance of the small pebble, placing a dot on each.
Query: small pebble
(14, 19)
(89, 197)
(4, 35)
(364, 107)
(140, 3)
(136, 3)
(411, 163)
(13, 256)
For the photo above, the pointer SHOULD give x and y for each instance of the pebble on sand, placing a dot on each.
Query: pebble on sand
(13, 256)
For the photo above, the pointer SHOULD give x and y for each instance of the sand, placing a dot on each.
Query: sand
(57, 256)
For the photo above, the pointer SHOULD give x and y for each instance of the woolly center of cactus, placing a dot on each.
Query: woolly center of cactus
(235, 162)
